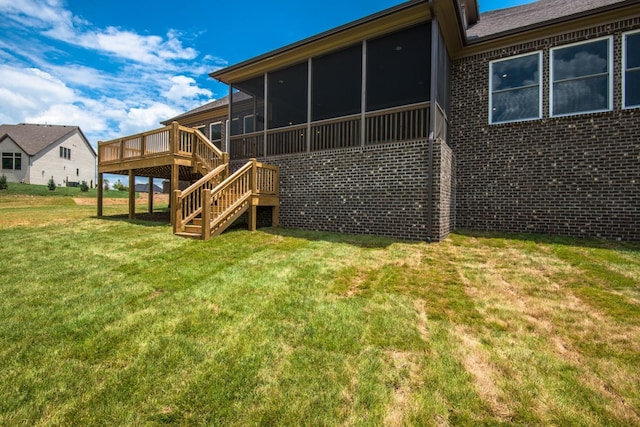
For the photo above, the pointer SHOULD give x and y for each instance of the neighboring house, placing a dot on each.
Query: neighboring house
(144, 188)
(34, 153)
(429, 116)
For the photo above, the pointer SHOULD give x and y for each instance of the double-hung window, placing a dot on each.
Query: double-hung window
(631, 70)
(516, 88)
(216, 134)
(582, 78)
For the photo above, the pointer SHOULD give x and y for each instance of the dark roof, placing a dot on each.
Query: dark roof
(238, 96)
(33, 138)
(519, 18)
(144, 188)
(206, 107)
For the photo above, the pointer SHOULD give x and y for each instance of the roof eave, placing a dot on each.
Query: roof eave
(226, 74)
(473, 45)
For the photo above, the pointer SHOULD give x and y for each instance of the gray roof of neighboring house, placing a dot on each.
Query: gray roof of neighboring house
(33, 138)
(540, 12)
(144, 188)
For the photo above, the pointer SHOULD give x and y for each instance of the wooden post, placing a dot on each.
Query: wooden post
(100, 193)
(175, 186)
(176, 211)
(151, 195)
(174, 137)
(132, 194)
(254, 176)
(206, 214)
(253, 209)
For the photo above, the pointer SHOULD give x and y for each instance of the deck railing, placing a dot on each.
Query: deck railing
(172, 139)
(216, 199)
(405, 123)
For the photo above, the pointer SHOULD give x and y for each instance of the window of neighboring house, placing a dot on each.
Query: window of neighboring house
(77, 172)
(581, 78)
(12, 161)
(216, 133)
(516, 88)
(631, 70)
(65, 153)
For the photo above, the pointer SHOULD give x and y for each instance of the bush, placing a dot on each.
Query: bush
(51, 185)
(120, 186)
(3, 182)
(84, 187)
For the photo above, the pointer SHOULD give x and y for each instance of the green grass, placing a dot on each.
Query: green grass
(115, 322)
(42, 190)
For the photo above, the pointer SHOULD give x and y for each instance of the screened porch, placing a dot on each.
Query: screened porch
(376, 91)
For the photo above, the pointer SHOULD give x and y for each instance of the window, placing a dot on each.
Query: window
(65, 153)
(12, 161)
(288, 92)
(216, 134)
(631, 70)
(516, 88)
(247, 103)
(77, 172)
(337, 84)
(399, 68)
(247, 125)
(581, 78)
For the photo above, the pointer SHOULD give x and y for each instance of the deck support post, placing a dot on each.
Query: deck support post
(150, 195)
(206, 214)
(100, 193)
(176, 213)
(253, 208)
(175, 186)
(132, 194)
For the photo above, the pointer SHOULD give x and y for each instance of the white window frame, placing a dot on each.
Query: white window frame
(244, 123)
(211, 125)
(609, 71)
(540, 90)
(624, 69)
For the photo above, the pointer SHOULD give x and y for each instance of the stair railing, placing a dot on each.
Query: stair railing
(189, 201)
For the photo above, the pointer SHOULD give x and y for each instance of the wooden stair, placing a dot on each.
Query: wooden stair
(212, 204)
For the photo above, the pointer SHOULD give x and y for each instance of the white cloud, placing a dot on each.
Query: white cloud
(185, 88)
(150, 78)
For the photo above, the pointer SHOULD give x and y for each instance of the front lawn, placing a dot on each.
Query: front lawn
(115, 322)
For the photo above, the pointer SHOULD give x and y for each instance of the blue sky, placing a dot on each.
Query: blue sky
(117, 67)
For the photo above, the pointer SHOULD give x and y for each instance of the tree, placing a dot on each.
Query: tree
(3, 182)
(106, 185)
(51, 184)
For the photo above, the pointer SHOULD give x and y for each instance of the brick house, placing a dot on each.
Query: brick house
(35, 153)
(429, 116)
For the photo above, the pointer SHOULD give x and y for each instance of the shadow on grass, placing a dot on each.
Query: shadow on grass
(552, 239)
(362, 241)
(156, 219)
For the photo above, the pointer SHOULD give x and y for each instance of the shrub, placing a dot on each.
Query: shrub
(51, 185)
(84, 187)
(3, 182)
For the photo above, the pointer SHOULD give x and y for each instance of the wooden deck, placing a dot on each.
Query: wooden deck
(178, 153)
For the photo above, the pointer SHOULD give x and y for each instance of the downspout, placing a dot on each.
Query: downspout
(432, 119)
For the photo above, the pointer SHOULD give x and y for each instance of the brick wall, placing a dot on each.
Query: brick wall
(577, 175)
(444, 191)
(379, 190)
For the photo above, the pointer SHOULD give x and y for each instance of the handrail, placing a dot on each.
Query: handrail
(173, 138)
(190, 200)
(227, 200)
